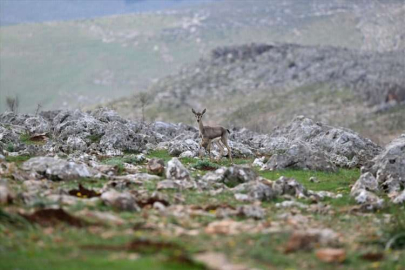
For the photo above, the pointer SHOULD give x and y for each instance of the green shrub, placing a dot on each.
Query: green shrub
(205, 165)
(10, 147)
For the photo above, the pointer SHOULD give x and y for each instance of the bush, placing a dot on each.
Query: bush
(205, 165)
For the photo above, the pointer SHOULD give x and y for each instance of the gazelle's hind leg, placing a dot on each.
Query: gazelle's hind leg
(221, 150)
(224, 140)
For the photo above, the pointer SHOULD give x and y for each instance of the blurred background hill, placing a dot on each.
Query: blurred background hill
(341, 62)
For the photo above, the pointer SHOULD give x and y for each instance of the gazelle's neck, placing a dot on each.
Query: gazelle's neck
(201, 126)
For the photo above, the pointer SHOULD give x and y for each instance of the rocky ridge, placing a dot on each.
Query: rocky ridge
(334, 85)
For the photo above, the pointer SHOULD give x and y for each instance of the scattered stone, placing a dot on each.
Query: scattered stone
(331, 255)
(101, 217)
(57, 169)
(187, 154)
(176, 170)
(156, 166)
(257, 190)
(289, 204)
(289, 186)
(6, 196)
(251, 211)
(176, 184)
(218, 261)
(243, 197)
(259, 162)
(400, 198)
(308, 239)
(238, 174)
(366, 182)
(313, 179)
(368, 200)
(120, 200)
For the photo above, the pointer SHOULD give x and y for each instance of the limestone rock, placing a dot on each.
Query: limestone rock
(176, 170)
(120, 200)
(57, 169)
(156, 166)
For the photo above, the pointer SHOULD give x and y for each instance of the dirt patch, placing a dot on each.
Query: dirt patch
(52, 217)
(139, 246)
(212, 207)
(83, 192)
(150, 201)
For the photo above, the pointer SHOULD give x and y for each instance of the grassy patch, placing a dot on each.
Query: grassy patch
(95, 138)
(394, 232)
(118, 162)
(334, 182)
(10, 147)
(17, 159)
(162, 154)
(26, 139)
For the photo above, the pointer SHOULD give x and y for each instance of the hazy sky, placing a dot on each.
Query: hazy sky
(24, 11)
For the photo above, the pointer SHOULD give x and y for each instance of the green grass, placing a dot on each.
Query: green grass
(335, 182)
(118, 162)
(17, 159)
(95, 138)
(10, 147)
(26, 139)
(205, 165)
(162, 154)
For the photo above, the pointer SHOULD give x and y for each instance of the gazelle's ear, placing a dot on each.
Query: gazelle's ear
(203, 111)
(193, 111)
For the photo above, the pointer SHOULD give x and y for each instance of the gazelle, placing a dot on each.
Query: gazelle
(210, 134)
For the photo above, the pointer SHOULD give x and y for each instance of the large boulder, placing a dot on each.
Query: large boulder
(300, 155)
(387, 170)
(391, 161)
(76, 123)
(256, 190)
(180, 146)
(122, 137)
(353, 149)
(58, 169)
(367, 182)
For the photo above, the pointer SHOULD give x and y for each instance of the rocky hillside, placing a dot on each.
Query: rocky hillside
(104, 133)
(122, 193)
(261, 86)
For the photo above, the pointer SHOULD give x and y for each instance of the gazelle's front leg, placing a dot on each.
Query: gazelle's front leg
(209, 149)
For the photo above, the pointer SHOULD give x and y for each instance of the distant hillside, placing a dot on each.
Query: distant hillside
(261, 86)
(79, 63)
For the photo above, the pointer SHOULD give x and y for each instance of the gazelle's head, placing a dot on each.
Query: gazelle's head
(198, 115)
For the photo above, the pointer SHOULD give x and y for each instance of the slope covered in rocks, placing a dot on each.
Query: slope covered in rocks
(262, 86)
(127, 194)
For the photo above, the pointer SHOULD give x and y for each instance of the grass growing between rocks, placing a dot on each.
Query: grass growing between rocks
(26, 139)
(18, 159)
(172, 239)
